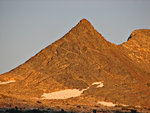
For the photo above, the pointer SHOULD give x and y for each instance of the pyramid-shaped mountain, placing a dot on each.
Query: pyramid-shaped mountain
(82, 68)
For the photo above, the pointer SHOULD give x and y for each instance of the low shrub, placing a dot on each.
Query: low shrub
(148, 84)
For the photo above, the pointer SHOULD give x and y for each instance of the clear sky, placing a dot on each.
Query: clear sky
(27, 26)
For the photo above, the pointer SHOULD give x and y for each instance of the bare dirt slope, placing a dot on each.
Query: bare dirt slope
(77, 60)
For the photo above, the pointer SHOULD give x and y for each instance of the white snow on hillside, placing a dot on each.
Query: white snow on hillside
(109, 104)
(99, 84)
(7, 82)
(63, 94)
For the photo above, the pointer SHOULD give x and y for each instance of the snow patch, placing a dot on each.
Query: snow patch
(138, 106)
(99, 84)
(63, 94)
(11, 81)
(124, 105)
(109, 104)
(67, 93)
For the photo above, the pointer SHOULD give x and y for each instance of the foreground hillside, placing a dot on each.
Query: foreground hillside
(83, 71)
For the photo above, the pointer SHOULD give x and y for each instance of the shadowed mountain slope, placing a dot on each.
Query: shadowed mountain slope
(83, 57)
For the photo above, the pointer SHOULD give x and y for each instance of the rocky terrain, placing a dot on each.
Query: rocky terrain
(82, 71)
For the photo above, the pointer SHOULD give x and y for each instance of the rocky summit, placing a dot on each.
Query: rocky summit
(83, 71)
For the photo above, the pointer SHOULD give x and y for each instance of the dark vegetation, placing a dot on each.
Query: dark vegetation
(129, 37)
(17, 110)
(148, 84)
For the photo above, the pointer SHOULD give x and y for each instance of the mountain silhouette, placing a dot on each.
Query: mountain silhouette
(82, 60)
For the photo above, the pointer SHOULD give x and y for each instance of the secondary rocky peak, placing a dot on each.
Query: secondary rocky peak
(140, 33)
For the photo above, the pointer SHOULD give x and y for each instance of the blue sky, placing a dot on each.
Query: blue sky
(27, 26)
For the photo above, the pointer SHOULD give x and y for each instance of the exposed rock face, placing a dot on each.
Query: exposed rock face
(83, 57)
(139, 48)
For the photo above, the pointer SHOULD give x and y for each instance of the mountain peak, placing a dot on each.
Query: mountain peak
(85, 34)
(85, 23)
